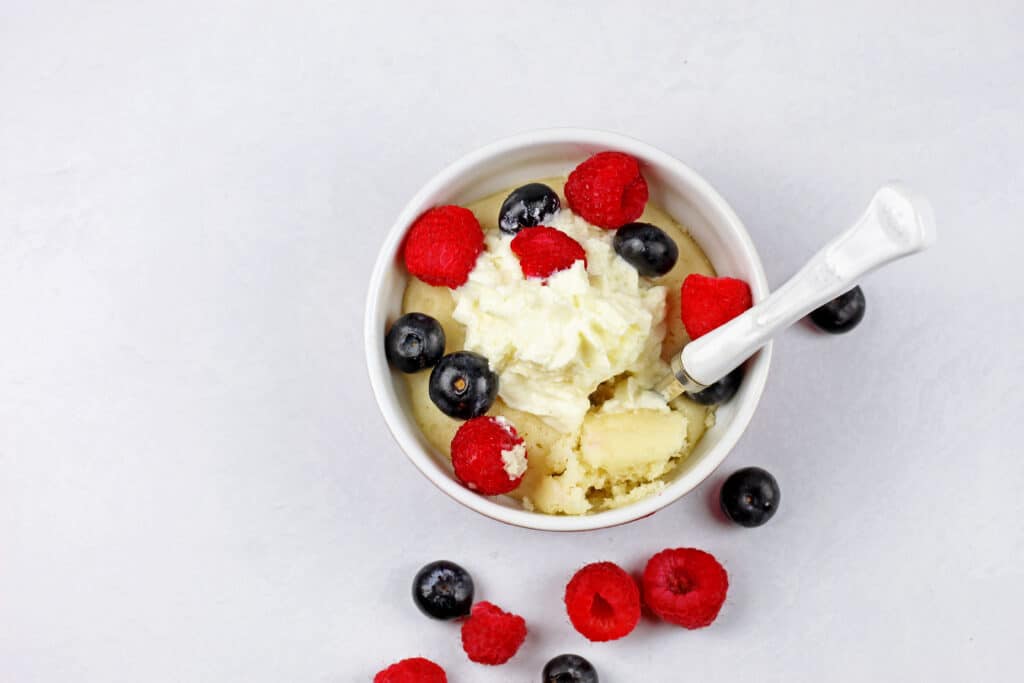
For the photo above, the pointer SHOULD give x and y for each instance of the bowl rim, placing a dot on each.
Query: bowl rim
(380, 373)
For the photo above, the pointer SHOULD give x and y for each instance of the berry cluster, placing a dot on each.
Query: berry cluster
(682, 586)
(443, 590)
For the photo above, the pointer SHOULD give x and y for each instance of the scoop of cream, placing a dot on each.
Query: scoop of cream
(553, 342)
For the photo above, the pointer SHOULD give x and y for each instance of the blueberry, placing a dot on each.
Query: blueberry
(569, 669)
(443, 590)
(414, 342)
(842, 314)
(526, 207)
(647, 248)
(722, 390)
(750, 496)
(462, 385)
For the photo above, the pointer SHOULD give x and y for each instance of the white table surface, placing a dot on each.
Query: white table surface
(195, 483)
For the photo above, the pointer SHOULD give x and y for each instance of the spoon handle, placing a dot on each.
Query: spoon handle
(898, 222)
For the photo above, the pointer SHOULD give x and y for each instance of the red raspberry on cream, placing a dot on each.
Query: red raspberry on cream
(710, 302)
(543, 251)
(607, 189)
(442, 246)
(488, 455)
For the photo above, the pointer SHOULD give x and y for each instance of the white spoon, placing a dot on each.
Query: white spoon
(898, 222)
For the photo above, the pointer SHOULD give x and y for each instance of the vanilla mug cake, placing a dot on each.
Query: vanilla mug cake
(534, 323)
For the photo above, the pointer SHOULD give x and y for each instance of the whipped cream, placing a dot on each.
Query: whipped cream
(513, 461)
(553, 341)
(629, 396)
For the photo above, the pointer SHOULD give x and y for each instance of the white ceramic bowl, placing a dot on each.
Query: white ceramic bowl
(510, 162)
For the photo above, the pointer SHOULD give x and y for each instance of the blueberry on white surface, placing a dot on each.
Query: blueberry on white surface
(750, 496)
(569, 669)
(842, 314)
(443, 590)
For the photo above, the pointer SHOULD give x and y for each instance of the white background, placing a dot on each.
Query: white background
(195, 484)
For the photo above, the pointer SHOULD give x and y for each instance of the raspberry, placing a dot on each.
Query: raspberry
(603, 602)
(709, 302)
(415, 670)
(543, 251)
(607, 189)
(442, 246)
(685, 586)
(488, 455)
(492, 636)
